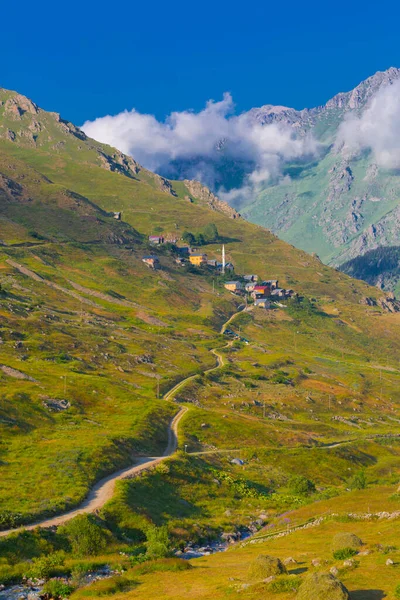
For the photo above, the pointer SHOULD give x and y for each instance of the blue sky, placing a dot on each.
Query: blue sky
(87, 59)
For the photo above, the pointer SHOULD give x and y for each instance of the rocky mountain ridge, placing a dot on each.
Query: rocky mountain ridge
(343, 203)
(25, 124)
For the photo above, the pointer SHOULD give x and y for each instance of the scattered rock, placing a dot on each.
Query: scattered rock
(56, 405)
(202, 192)
(389, 562)
(15, 373)
(316, 562)
(349, 562)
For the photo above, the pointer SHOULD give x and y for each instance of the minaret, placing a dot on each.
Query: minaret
(223, 259)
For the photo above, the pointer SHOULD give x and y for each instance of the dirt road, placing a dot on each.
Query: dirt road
(104, 489)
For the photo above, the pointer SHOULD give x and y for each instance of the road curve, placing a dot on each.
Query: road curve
(220, 360)
(103, 490)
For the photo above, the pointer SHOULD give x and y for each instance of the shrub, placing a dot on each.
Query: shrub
(359, 481)
(397, 592)
(56, 589)
(322, 586)
(344, 553)
(264, 566)
(346, 541)
(158, 544)
(85, 535)
(45, 566)
(301, 485)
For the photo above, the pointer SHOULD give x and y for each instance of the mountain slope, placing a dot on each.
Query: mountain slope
(344, 203)
(338, 198)
(91, 338)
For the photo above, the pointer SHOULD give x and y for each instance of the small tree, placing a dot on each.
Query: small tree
(210, 232)
(301, 485)
(199, 239)
(158, 544)
(85, 535)
(188, 237)
(359, 481)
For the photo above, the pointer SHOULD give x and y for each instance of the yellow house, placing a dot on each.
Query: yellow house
(198, 259)
(233, 286)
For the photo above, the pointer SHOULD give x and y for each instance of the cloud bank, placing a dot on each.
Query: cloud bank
(377, 129)
(201, 145)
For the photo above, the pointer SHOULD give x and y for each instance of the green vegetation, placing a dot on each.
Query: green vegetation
(57, 589)
(208, 235)
(287, 432)
(85, 536)
(345, 545)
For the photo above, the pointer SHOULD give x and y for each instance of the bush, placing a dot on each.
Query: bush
(264, 566)
(56, 589)
(158, 544)
(346, 541)
(301, 485)
(45, 566)
(359, 481)
(322, 586)
(85, 535)
(397, 592)
(344, 553)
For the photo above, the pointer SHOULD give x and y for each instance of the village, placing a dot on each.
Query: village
(261, 293)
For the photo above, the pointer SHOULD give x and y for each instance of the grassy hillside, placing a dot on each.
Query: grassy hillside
(91, 339)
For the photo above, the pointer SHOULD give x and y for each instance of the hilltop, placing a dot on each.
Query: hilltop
(92, 339)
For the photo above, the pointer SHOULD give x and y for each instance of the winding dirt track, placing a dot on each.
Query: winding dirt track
(104, 489)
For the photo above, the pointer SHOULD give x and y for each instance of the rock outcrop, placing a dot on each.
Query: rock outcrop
(202, 193)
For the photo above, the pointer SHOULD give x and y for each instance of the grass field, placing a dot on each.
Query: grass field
(91, 339)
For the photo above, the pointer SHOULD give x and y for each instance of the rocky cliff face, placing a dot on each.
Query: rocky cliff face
(341, 205)
(202, 193)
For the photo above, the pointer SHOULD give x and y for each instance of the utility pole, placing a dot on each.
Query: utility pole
(158, 388)
(65, 385)
(223, 259)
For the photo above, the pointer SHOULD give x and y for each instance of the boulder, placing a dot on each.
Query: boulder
(265, 566)
(322, 586)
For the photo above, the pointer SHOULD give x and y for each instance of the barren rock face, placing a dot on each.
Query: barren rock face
(205, 195)
(17, 105)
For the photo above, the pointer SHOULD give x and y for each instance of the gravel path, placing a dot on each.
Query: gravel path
(104, 489)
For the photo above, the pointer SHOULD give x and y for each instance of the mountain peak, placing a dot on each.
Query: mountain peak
(361, 94)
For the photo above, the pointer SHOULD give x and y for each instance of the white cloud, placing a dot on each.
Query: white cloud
(376, 129)
(194, 138)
